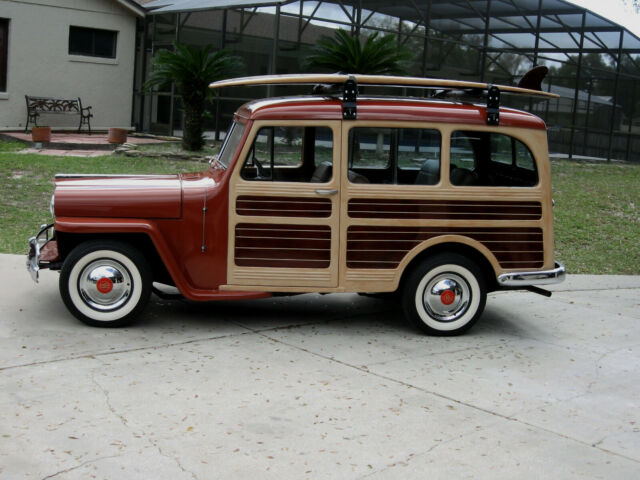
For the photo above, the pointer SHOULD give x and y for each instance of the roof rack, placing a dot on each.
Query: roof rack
(348, 86)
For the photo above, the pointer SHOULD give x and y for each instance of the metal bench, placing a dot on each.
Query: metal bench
(61, 106)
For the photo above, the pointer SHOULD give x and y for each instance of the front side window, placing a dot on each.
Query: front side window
(291, 154)
(230, 144)
(398, 156)
(4, 49)
(92, 42)
(490, 159)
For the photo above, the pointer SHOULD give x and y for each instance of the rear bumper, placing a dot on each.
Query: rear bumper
(524, 279)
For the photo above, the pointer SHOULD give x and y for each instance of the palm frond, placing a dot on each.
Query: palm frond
(192, 69)
(379, 55)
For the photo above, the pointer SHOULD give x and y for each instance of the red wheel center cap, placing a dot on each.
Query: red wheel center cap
(447, 297)
(104, 285)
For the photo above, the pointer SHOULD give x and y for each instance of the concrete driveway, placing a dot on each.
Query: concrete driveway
(314, 386)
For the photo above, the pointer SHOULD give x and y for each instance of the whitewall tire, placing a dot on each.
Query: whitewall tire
(105, 283)
(444, 295)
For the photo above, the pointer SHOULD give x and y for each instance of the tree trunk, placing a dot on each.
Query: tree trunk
(192, 138)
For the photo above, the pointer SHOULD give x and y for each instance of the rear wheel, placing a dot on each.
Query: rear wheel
(105, 283)
(444, 295)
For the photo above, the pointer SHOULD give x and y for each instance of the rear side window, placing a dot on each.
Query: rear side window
(400, 156)
(490, 159)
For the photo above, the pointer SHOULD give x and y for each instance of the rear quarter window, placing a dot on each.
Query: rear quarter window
(490, 159)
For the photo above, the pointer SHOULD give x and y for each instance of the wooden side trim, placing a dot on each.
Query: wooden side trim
(401, 209)
(268, 206)
(282, 246)
(388, 280)
(384, 247)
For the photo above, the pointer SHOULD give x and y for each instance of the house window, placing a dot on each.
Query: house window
(92, 42)
(4, 44)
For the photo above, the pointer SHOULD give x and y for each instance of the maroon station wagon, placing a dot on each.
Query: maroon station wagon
(437, 200)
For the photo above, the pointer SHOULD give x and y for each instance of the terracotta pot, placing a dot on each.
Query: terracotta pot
(41, 134)
(117, 135)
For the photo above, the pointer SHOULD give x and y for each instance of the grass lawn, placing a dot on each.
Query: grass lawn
(597, 220)
(168, 148)
(597, 217)
(26, 185)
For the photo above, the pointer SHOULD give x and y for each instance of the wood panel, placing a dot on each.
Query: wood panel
(282, 245)
(258, 206)
(384, 247)
(443, 209)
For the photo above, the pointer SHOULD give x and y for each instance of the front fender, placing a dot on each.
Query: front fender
(111, 226)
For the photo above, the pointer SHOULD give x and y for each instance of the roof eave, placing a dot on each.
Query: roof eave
(136, 9)
(173, 9)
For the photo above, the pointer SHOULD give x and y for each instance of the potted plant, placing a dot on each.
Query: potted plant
(117, 135)
(41, 134)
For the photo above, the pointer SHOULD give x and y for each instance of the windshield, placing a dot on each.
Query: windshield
(231, 141)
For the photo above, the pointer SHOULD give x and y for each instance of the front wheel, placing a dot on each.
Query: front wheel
(444, 295)
(105, 283)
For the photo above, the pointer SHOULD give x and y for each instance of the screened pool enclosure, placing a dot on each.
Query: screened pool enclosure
(594, 63)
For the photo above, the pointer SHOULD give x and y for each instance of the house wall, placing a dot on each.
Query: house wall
(39, 63)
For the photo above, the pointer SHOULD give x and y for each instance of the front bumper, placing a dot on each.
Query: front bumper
(35, 247)
(524, 279)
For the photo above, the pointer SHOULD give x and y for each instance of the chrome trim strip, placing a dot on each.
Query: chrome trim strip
(33, 255)
(59, 176)
(523, 279)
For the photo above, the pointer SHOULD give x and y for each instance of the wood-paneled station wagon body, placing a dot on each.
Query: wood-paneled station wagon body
(438, 200)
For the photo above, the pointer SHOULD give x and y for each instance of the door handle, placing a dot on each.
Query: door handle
(322, 191)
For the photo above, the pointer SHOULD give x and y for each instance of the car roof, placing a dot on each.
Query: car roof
(405, 109)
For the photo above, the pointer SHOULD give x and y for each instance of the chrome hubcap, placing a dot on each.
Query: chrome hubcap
(446, 297)
(105, 284)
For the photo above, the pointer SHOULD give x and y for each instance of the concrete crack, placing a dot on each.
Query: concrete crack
(107, 399)
(156, 347)
(434, 354)
(88, 462)
(421, 454)
(142, 433)
(124, 350)
(300, 325)
(175, 459)
(597, 362)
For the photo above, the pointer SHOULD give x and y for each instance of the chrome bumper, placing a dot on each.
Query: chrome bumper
(35, 244)
(523, 279)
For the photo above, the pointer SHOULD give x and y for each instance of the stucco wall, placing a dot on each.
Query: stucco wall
(39, 63)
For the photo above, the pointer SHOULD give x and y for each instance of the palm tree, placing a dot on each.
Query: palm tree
(192, 69)
(375, 56)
